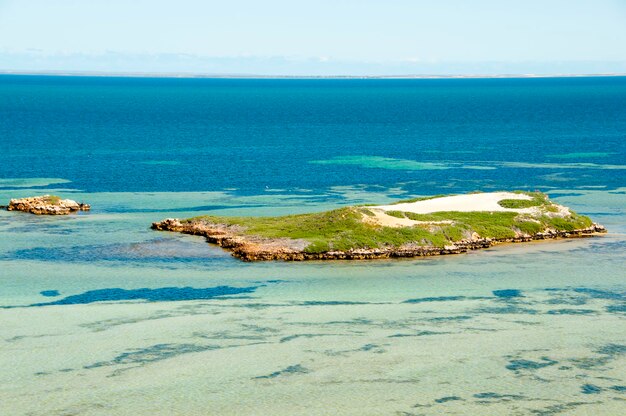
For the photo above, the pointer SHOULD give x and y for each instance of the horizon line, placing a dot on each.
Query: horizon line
(122, 74)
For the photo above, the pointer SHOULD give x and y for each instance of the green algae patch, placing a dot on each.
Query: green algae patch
(379, 162)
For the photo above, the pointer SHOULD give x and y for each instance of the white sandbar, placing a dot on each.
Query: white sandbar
(463, 203)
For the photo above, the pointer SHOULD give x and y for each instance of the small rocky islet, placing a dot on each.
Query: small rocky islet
(414, 228)
(47, 205)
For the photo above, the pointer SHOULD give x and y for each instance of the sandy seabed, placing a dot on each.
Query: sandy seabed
(524, 329)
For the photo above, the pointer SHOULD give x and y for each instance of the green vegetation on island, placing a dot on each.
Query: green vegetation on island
(52, 199)
(357, 227)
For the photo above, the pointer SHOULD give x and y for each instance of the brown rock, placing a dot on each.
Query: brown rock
(47, 205)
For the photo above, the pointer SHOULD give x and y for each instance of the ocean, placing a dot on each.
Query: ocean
(100, 315)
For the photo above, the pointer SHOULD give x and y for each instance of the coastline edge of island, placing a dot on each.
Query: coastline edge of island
(247, 249)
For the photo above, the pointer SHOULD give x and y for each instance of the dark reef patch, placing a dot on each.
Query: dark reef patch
(372, 347)
(509, 309)
(567, 299)
(492, 395)
(516, 365)
(612, 349)
(417, 334)
(50, 293)
(556, 409)
(152, 353)
(571, 312)
(355, 321)
(455, 318)
(330, 303)
(296, 336)
(599, 294)
(607, 353)
(508, 293)
(565, 296)
(292, 369)
(163, 294)
(616, 308)
(164, 250)
(38, 227)
(590, 389)
(447, 399)
(435, 299)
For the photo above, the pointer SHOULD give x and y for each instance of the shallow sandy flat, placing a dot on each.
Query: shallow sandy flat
(463, 203)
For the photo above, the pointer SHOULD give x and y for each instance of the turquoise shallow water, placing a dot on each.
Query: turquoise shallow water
(101, 315)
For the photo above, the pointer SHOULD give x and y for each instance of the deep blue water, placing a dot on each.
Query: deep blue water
(149, 134)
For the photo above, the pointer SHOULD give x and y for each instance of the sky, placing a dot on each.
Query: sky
(314, 37)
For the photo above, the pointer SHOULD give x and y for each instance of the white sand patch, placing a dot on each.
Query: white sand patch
(462, 203)
(386, 220)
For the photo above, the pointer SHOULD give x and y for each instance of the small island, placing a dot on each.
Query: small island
(419, 227)
(47, 205)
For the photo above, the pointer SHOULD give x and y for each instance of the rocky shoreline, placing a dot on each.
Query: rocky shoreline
(47, 205)
(254, 248)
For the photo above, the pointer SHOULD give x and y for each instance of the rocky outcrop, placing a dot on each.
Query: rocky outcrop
(255, 248)
(47, 205)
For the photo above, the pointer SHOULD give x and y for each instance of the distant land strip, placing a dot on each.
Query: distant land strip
(279, 76)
